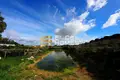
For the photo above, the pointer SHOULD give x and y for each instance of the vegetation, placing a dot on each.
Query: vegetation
(2, 25)
(100, 56)
(17, 68)
(5, 41)
(13, 63)
(13, 68)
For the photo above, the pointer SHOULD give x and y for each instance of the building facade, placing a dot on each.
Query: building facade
(46, 41)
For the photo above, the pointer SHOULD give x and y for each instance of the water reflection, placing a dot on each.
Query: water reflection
(56, 61)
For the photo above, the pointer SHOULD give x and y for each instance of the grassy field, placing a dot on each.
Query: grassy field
(18, 68)
(11, 68)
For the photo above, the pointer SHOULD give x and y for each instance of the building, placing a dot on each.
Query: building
(46, 41)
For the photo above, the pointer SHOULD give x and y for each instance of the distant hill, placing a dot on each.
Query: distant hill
(100, 56)
(115, 36)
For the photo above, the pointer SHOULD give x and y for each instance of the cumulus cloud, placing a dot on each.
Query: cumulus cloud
(113, 19)
(96, 4)
(76, 26)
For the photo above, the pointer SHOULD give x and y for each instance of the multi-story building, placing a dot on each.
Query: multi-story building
(46, 41)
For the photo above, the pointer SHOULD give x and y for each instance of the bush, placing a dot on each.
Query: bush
(68, 71)
(4, 67)
(4, 75)
(100, 57)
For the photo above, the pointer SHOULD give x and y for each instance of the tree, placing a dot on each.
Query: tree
(3, 25)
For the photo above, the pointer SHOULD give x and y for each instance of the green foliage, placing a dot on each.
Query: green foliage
(4, 75)
(100, 56)
(4, 67)
(68, 71)
(12, 68)
(0, 36)
(31, 61)
(5, 72)
(3, 25)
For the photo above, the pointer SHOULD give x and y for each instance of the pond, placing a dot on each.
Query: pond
(56, 61)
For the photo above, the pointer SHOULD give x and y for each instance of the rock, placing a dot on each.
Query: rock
(30, 58)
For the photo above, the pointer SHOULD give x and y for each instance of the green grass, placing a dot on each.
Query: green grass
(16, 68)
(5, 76)
(68, 71)
(11, 60)
(12, 68)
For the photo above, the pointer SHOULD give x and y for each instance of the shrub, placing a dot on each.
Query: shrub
(4, 75)
(4, 67)
(68, 71)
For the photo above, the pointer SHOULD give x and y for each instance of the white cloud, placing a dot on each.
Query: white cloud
(55, 12)
(36, 16)
(21, 38)
(76, 26)
(12, 34)
(96, 4)
(112, 19)
(61, 4)
(23, 22)
(25, 8)
(71, 11)
(84, 16)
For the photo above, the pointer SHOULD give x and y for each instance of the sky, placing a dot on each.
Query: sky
(28, 20)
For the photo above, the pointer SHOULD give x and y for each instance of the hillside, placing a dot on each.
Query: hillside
(100, 56)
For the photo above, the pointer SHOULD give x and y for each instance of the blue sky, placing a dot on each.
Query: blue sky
(28, 20)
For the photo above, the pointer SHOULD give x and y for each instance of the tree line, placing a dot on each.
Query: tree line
(101, 57)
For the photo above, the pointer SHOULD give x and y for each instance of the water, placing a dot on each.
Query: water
(56, 61)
